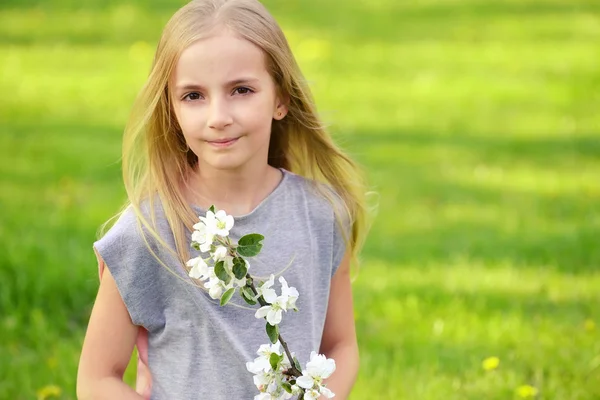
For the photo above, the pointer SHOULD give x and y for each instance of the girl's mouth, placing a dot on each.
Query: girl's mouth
(223, 142)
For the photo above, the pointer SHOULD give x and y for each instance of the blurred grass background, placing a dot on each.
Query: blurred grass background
(477, 122)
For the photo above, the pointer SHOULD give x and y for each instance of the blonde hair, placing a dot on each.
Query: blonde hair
(156, 160)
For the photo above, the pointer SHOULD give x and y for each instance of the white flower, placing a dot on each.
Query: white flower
(203, 236)
(314, 394)
(274, 311)
(318, 368)
(199, 268)
(259, 365)
(290, 293)
(219, 223)
(268, 381)
(263, 380)
(266, 291)
(262, 363)
(220, 253)
(215, 286)
(265, 350)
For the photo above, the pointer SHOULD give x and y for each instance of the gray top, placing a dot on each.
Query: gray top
(198, 349)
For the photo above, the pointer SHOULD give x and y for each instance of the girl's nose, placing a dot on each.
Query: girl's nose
(219, 116)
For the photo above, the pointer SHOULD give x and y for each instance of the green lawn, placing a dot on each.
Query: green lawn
(476, 121)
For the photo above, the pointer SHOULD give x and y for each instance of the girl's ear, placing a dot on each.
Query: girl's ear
(282, 107)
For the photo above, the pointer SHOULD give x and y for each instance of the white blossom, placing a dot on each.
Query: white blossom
(314, 394)
(320, 366)
(203, 236)
(317, 369)
(199, 268)
(290, 293)
(215, 286)
(265, 350)
(259, 365)
(265, 290)
(274, 311)
(218, 223)
(220, 253)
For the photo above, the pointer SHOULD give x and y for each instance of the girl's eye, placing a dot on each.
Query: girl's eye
(192, 96)
(243, 90)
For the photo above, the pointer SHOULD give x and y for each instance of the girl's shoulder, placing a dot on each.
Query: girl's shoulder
(130, 254)
(319, 196)
(129, 236)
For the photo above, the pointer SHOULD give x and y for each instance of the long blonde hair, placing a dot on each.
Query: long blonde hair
(155, 158)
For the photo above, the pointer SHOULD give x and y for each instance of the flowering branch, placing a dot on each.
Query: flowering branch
(294, 371)
(277, 374)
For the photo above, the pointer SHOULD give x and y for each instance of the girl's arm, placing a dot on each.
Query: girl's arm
(339, 333)
(107, 347)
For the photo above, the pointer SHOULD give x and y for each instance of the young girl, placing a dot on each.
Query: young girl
(225, 118)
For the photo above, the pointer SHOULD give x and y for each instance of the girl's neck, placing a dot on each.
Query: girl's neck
(238, 192)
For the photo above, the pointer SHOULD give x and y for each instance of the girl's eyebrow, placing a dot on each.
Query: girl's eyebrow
(192, 86)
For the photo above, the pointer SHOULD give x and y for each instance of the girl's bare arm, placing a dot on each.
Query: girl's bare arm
(339, 334)
(107, 347)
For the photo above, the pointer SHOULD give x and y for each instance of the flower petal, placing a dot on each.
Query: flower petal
(220, 215)
(305, 382)
(311, 395)
(320, 366)
(269, 295)
(229, 222)
(326, 392)
(262, 312)
(274, 317)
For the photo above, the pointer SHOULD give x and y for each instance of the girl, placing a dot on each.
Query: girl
(225, 118)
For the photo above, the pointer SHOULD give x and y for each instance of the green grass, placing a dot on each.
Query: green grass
(476, 121)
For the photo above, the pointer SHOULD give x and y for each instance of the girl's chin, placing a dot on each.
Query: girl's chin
(223, 163)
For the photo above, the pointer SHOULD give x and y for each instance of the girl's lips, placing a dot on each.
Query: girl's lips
(223, 143)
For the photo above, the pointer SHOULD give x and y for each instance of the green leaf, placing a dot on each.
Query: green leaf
(196, 246)
(227, 296)
(212, 208)
(274, 360)
(287, 387)
(273, 332)
(221, 272)
(247, 295)
(297, 364)
(239, 267)
(249, 245)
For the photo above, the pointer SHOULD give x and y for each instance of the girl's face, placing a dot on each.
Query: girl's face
(225, 100)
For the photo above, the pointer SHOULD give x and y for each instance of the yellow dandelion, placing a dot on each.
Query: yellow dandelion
(48, 391)
(490, 363)
(589, 325)
(526, 391)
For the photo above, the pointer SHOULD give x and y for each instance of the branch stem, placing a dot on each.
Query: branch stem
(293, 370)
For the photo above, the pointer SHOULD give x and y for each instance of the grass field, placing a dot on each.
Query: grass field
(476, 121)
